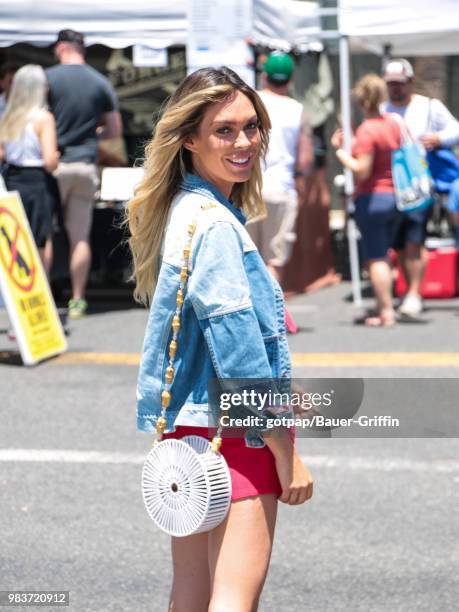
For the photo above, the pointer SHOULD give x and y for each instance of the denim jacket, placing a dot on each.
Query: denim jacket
(232, 320)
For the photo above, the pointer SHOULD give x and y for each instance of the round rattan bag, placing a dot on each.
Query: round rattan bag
(186, 486)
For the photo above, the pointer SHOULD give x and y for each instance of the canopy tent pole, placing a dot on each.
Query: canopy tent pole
(352, 234)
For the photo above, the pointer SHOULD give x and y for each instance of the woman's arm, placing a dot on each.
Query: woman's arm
(221, 297)
(361, 165)
(46, 129)
(304, 159)
(294, 477)
(220, 294)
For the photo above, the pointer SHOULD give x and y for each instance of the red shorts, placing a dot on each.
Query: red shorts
(253, 470)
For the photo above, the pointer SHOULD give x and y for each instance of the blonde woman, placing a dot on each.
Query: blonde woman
(29, 149)
(376, 214)
(203, 163)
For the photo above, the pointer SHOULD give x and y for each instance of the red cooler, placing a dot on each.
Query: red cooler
(440, 277)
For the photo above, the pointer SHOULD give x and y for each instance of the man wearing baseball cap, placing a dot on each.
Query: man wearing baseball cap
(288, 162)
(430, 123)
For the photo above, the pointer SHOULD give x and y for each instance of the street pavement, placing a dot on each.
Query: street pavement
(380, 534)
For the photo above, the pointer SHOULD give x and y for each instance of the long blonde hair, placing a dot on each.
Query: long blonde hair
(167, 161)
(27, 96)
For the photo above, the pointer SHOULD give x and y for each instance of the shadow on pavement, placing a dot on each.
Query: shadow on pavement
(367, 292)
(100, 298)
(441, 308)
(10, 358)
(413, 320)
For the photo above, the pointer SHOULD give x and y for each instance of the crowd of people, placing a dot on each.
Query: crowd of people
(49, 136)
(50, 124)
(389, 107)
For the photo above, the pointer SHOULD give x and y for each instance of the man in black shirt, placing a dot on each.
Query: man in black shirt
(85, 107)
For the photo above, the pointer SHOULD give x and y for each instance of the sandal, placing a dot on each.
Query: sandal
(383, 319)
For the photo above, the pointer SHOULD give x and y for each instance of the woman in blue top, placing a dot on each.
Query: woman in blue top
(203, 164)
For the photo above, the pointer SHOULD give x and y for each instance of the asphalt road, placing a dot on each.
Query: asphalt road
(380, 534)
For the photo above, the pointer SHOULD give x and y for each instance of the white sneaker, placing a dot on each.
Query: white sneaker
(411, 305)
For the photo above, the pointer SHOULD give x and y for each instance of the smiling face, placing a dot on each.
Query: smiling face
(227, 143)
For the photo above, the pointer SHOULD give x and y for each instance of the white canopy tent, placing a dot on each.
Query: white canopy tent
(400, 27)
(409, 27)
(156, 23)
(115, 23)
(287, 23)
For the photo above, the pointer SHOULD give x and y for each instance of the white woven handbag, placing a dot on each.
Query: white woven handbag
(186, 484)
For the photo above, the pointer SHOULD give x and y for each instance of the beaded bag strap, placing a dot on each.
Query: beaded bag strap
(170, 370)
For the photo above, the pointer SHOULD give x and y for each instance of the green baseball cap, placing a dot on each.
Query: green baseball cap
(279, 67)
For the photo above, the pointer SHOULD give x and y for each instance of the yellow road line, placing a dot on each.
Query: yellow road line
(310, 360)
(132, 359)
(378, 360)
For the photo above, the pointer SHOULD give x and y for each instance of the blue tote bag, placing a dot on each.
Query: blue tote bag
(444, 168)
(410, 173)
(443, 164)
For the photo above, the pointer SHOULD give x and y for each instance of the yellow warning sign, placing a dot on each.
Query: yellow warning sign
(24, 286)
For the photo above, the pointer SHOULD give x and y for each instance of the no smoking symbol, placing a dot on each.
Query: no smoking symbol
(16, 252)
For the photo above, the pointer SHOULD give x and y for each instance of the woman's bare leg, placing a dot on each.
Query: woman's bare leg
(239, 553)
(47, 256)
(381, 280)
(191, 583)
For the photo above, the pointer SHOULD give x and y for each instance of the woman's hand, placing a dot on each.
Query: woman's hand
(294, 477)
(337, 139)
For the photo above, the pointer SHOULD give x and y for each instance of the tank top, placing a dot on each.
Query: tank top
(25, 151)
(286, 115)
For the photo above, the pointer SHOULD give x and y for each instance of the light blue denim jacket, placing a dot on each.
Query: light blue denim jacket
(232, 321)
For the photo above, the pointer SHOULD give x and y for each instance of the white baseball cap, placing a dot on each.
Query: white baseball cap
(399, 70)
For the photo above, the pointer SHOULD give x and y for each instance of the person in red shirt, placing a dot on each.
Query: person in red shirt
(376, 214)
